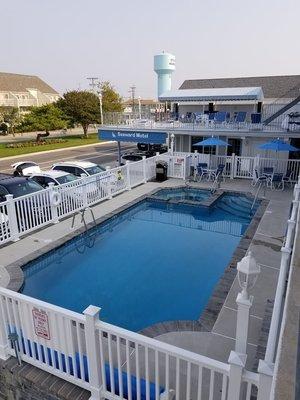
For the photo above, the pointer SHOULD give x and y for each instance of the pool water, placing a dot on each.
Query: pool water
(190, 194)
(152, 263)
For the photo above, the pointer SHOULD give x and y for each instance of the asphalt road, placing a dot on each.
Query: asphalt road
(105, 154)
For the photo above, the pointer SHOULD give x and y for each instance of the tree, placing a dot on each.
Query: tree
(111, 100)
(81, 107)
(44, 118)
(10, 117)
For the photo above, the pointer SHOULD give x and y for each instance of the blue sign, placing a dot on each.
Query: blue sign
(133, 136)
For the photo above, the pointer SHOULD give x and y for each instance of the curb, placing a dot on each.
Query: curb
(55, 150)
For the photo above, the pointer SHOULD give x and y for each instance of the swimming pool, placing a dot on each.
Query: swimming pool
(154, 262)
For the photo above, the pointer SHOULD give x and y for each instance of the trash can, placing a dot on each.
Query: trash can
(161, 171)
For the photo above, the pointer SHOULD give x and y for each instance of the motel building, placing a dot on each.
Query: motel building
(244, 112)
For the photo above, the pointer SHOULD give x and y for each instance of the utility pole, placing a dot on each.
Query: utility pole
(93, 83)
(132, 92)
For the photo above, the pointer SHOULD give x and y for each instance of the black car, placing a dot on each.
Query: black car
(17, 186)
(29, 212)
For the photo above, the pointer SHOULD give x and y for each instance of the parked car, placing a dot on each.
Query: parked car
(17, 186)
(53, 176)
(133, 157)
(25, 168)
(30, 211)
(79, 167)
(161, 148)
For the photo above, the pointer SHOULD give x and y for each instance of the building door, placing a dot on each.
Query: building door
(235, 147)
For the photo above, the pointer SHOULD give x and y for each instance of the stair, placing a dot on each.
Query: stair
(282, 110)
(238, 206)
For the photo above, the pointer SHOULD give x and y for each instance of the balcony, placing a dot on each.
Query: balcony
(14, 102)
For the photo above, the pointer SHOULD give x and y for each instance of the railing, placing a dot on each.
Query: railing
(22, 215)
(112, 362)
(149, 121)
(266, 366)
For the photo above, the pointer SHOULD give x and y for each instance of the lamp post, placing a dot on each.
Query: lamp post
(172, 143)
(248, 271)
(101, 111)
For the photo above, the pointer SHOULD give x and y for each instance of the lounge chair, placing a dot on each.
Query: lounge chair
(220, 117)
(240, 118)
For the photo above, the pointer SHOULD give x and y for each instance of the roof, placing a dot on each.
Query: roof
(82, 164)
(272, 86)
(54, 173)
(144, 102)
(223, 94)
(21, 83)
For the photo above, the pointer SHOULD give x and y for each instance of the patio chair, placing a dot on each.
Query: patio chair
(201, 171)
(219, 172)
(287, 179)
(220, 117)
(275, 181)
(257, 178)
(255, 118)
(240, 117)
(268, 171)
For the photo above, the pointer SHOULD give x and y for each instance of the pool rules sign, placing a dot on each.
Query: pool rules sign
(41, 323)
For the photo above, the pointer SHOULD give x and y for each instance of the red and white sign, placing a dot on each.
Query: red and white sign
(41, 323)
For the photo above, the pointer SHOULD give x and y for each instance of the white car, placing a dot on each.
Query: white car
(79, 168)
(25, 168)
(53, 176)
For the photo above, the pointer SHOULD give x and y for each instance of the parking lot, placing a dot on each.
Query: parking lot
(105, 154)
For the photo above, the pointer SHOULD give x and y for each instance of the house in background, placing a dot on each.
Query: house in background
(24, 91)
(147, 106)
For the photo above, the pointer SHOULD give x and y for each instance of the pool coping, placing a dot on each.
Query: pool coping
(209, 315)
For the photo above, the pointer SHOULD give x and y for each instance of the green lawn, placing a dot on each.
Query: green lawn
(70, 141)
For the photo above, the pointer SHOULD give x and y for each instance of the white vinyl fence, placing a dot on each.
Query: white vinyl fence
(108, 361)
(22, 215)
(242, 166)
(111, 362)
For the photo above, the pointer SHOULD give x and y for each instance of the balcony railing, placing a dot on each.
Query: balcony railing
(195, 123)
(13, 102)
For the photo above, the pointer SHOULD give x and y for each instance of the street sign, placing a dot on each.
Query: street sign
(41, 323)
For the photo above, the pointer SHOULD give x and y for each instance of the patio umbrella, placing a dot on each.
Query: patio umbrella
(277, 145)
(212, 141)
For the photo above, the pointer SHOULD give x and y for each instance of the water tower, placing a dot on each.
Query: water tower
(164, 65)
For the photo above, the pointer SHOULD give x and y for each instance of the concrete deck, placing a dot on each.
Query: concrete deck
(218, 343)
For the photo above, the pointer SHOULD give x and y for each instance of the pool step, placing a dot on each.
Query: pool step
(231, 210)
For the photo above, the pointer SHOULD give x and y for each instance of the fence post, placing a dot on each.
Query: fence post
(144, 169)
(93, 352)
(109, 192)
(128, 184)
(237, 363)
(3, 339)
(255, 164)
(12, 218)
(54, 213)
(232, 171)
(266, 371)
(84, 192)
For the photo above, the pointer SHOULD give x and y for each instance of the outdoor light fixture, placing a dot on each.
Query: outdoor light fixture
(248, 271)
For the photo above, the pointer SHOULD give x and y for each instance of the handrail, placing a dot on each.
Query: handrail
(286, 252)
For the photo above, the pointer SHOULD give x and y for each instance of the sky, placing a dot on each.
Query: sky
(66, 41)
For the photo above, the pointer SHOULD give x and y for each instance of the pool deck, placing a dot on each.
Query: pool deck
(218, 340)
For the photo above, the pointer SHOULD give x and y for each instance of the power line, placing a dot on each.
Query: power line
(93, 83)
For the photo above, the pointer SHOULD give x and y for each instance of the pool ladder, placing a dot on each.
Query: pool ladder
(82, 213)
(261, 183)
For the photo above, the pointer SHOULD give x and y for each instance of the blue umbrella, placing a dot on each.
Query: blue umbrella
(212, 141)
(277, 145)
